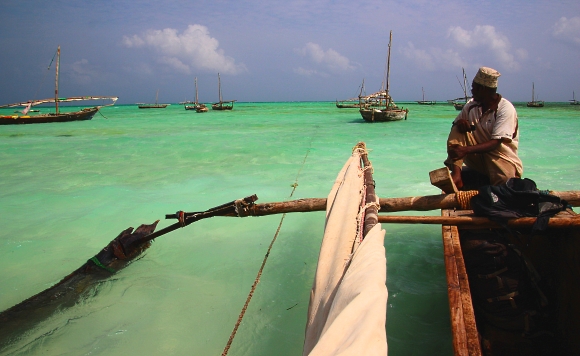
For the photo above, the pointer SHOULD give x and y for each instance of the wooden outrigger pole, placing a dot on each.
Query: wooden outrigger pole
(246, 207)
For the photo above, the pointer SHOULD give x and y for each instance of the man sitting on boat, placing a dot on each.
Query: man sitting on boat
(484, 137)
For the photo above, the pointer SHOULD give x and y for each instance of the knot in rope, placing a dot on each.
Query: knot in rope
(242, 208)
(181, 218)
(463, 198)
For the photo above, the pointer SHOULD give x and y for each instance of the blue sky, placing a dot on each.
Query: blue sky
(287, 51)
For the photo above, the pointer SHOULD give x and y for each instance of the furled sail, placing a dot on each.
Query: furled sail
(61, 100)
(348, 300)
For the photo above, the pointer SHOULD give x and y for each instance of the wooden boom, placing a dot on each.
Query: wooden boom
(388, 205)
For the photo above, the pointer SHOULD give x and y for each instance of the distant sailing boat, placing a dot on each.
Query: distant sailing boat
(535, 103)
(196, 105)
(390, 111)
(459, 103)
(153, 106)
(353, 102)
(574, 101)
(57, 116)
(425, 102)
(222, 105)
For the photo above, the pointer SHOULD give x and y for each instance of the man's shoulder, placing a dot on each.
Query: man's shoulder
(504, 102)
(505, 106)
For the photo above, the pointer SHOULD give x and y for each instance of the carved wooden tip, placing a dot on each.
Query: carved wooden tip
(441, 178)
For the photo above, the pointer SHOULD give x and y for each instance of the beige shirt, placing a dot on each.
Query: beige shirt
(493, 125)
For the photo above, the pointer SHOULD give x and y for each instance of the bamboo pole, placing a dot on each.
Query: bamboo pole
(388, 205)
(449, 201)
(421, 203)
(479, 222)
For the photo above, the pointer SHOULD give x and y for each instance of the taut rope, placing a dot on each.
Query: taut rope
(257, 280)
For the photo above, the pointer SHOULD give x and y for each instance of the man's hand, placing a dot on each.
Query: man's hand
(457, 152)
(463, 126)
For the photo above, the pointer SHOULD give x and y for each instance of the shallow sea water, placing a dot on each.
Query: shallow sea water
(68, 189)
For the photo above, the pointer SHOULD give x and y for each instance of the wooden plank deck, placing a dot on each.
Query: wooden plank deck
(465, 335)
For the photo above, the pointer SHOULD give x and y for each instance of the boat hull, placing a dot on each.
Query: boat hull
(197, 107)
(375, 115)
(222, 106)
(153, 106)
(85, 114)
(348, 106)
(535, 104)
(517, 322)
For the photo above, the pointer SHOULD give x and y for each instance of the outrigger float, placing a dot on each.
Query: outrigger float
(347, 310)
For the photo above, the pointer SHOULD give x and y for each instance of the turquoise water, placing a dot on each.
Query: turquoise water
(68, 189)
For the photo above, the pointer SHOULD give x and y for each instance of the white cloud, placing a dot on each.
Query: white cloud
(330, 58)
(133, 41)
(193, 48)
(176, 64)
(305, 72)
(470, 48)
(433, 58)
(567, 30)
(420, 56)
(486, 39)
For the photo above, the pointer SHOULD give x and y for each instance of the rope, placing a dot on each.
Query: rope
(181, 218)
(102, 114)
(360, 218)
(98, 263)
(463, 198)
(44, 76)
(257, 280)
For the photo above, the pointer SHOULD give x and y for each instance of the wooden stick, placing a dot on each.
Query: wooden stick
(571, 196)
(292, 206)
(233, 208)
(388, 205)
(476, 221)
(422, 203)
(371, 212)
(449, 201)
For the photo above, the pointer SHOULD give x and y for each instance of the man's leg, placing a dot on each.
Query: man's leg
(500, 170)
(455, 138)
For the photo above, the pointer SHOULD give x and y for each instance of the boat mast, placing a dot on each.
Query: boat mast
(156, 96)
(464, 85)
(56, 79)
(533, 92)
(220, 88)
(388, 99)
(196, 90)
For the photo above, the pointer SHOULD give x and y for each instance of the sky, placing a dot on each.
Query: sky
(293, 50)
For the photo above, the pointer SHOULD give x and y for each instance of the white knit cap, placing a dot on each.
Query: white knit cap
(487, 77)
